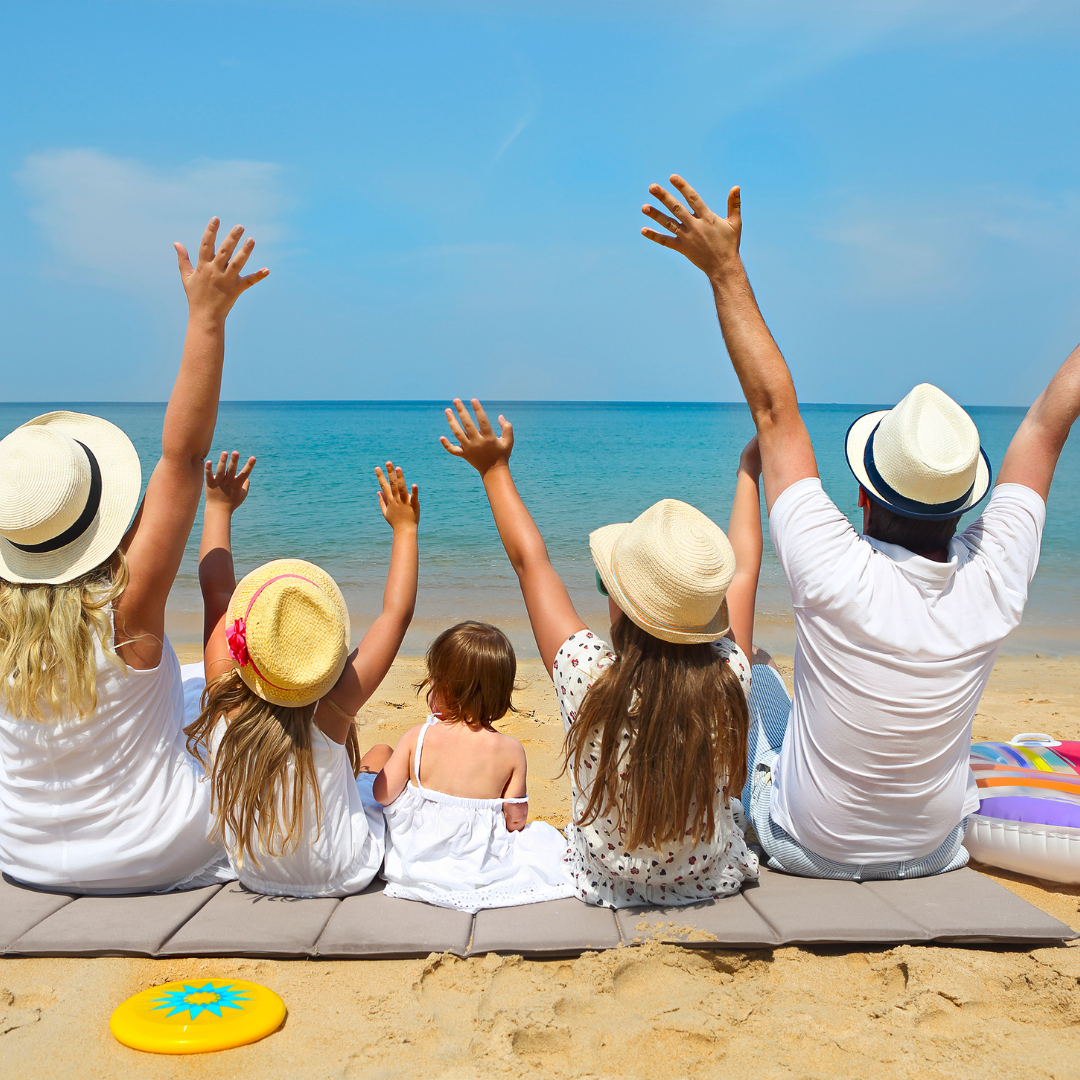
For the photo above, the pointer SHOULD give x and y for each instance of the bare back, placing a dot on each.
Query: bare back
(468, 764)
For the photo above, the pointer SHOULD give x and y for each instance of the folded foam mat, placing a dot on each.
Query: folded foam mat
(959, 907)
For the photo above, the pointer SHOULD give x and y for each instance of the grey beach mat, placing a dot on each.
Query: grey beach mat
(962, 907)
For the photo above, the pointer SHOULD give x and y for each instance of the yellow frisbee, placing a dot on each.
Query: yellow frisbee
(197, 1015)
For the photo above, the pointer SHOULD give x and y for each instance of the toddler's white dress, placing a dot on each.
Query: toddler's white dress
(457, 853)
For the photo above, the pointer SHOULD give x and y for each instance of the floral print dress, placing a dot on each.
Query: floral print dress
(606, 873)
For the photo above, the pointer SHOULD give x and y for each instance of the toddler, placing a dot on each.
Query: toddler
(454, 789)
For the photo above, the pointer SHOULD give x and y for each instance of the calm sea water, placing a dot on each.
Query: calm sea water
(578, 466)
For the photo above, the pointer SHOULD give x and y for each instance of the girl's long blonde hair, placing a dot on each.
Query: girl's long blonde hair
(48, 665)
(254, 794)
(687, 721)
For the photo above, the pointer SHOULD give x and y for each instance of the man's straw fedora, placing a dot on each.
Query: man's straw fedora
(668, 571)
(920, 459)
(288, 632)
(69, 485)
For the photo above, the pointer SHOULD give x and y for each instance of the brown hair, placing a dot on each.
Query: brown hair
(919, 536)
(253, 794)
(687, 720)
(48, 665)
(471, 668)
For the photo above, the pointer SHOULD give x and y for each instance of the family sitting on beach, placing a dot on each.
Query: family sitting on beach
(680, 735)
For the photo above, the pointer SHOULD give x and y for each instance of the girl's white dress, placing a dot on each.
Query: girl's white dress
(111, 802)
(457, 853)
(340, 852)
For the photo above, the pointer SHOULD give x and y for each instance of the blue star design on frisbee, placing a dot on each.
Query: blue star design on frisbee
(211, 999)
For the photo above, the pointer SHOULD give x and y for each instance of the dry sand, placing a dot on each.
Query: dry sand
(645, 1012)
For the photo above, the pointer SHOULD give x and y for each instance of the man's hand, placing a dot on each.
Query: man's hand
(213, 286)
(399, 506)
(226, 488)
(478, 443)
(711, 243)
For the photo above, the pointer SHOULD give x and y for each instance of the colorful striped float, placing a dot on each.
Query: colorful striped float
(1029, 810)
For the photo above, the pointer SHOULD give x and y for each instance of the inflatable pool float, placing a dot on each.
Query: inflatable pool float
(197, 1015)
(1029, 809)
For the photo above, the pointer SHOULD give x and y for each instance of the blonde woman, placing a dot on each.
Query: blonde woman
(656, 727)
(97, 791)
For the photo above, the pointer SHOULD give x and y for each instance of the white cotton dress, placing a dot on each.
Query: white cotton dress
(112, 802)
(339, 852)
(457, 853)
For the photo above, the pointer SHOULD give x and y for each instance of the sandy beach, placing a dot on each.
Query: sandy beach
(655, 1010)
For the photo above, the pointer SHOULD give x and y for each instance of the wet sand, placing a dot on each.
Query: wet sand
(650, 1011)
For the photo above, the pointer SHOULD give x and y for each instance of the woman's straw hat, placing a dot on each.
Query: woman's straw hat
(288, 632)
(69, 485)
(920, 459)
(668, 571)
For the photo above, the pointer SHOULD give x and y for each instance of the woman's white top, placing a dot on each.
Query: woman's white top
(457, 853)
(111, 802)
(605, 872)
(340, 851)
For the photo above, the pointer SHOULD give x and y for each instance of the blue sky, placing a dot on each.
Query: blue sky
(448, 194)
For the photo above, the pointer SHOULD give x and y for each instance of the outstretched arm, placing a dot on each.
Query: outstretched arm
(226, 489)
(371, 660)
(551, 611)
(155, 542)
(744, 532)
(1033, 453)
(711, 243)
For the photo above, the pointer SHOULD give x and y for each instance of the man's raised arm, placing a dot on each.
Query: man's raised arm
(1033, 453)
(711, 243)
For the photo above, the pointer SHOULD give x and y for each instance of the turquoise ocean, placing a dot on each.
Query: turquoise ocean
(578, 465)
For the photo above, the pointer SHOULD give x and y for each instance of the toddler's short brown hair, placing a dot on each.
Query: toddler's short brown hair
(472, 667)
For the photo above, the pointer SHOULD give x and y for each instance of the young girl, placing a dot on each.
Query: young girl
(454, 789)
(276, 731)
(656, 731)
(97, 793)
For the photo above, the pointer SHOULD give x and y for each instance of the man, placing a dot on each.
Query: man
(897, 629)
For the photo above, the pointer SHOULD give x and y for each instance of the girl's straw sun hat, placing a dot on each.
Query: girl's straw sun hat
(668, 571)
(69, 485)
(920, 459)
(288, 632)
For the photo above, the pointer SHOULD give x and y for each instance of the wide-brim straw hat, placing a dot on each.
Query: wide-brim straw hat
(668, 571)
(922, 458)
(69, 486)
(288, 632)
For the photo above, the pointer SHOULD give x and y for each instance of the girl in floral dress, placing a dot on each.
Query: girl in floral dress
(656, 728)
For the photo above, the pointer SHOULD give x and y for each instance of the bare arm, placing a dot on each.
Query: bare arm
(371, 660)
(744, 532)
(516, 815)
(711, 243)
(226, 489)
(391, 781)
(1033, 453)
(551, 611)
(155, 542)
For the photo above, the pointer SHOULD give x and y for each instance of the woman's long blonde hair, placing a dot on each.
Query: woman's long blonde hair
(687, 721)
(48, 665)
(254, 795)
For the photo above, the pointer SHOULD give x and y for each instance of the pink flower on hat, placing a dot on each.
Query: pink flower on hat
(237, 638)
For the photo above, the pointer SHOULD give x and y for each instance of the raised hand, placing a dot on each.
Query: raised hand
(750, 459)
(226, 487)
(710, 242)
(477, 442)
(399, 506)
(214, 284)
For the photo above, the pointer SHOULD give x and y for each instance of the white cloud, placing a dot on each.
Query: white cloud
(939, 245)
(119, 217)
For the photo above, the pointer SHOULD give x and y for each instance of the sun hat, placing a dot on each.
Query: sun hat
(288, 632)
(920, 459)
(69, 485)
(668, 570)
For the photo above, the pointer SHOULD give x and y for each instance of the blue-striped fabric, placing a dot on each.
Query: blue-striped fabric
(769, 710)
